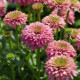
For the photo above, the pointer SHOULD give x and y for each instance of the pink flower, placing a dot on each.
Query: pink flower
(64, 4)
(63, 14)
(60, 4)
(37, 35)
(54, 21)
(75, 5)
(61, 67)
(2, 8)
(78, 42)
(60, 48)
(15, 18)
(25, 2)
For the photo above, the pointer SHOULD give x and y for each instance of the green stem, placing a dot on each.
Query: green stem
(68, 37)
(61, 33)
(67, 16)
(34, 17)
(57, 34)
(12, 71)
(18, 7)
(29, 11)
(39, 17)
(10, 45)
(17, 39)
(38, 61)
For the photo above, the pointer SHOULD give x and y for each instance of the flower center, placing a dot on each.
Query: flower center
(54, 18)
(37, 29)
(59, 1)
(60, 61)
(15, 14)
(73, 1)
(62, 46)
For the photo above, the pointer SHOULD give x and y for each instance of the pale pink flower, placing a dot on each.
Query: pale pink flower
(54, 21)
(37, 35)
(63, 14)
(2, 8)
(60, 47)
(15, 18)
(61, 67)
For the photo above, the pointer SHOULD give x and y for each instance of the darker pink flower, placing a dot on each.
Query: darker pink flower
(15, 18)
(61, 68)
(60, 48)
(2, 8)
(54, 21)
(37, 35)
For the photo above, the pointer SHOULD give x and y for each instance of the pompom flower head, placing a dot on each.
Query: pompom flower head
(60, 48)
(37, 35)
(61, 68)
(15, 18)
(2, 8)
(54, 21)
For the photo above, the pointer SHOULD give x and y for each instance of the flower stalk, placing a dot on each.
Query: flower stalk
(17, 39)
(38, 61)
(12, 71)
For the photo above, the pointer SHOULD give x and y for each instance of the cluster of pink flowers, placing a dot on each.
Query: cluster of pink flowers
(78, 42)
(37, 35)
(2, 8)
(15, 18)
(63, 4)
(26, 2)
(60, 54)
(60, 64)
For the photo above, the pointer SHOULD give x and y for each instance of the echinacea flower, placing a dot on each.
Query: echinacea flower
(15, 18)
(2, 8)
(78, 42)
(60, 47)
(54, 21)
(26, 2)
(61, 67)
(63, 14)
(37, 35)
